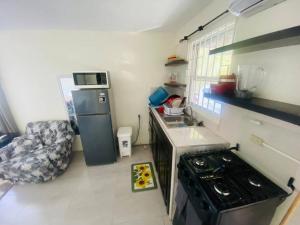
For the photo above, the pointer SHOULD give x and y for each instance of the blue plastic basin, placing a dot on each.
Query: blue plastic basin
(158, 96)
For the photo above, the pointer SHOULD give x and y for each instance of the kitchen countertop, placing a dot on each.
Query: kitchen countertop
(187, 137)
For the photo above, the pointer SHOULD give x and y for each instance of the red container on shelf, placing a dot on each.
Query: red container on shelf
(226, 85)
(223, 88)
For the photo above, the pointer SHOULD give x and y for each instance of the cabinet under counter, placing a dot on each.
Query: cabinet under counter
(167, 144)
(162, 151)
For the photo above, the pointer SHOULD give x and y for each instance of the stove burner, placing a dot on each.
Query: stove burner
(227, 158)
(200, 162)
(255, 182)
(221, 189)
(225, 182)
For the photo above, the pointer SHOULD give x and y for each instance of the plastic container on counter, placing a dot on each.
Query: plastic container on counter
(158, 96)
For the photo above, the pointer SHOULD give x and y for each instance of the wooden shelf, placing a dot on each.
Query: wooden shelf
(287, 37)
(174, 84)
(176, 62)
(280, 110)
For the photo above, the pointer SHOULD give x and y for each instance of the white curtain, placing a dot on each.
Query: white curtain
(7, 122)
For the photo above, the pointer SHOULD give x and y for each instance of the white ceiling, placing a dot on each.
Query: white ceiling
(108, 15)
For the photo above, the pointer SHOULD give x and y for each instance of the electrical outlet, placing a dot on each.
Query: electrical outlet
(257, 140)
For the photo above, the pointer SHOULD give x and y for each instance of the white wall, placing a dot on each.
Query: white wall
(32, 61)
(282, 67)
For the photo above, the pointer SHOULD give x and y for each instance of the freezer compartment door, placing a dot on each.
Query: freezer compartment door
(97, 139)
(91, 101)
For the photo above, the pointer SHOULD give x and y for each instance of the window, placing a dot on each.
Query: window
(205, 69)
(67, 85)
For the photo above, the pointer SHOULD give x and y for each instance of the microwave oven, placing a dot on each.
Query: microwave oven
(84, 80)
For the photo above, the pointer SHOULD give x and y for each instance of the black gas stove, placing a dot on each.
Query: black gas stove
(225, 190)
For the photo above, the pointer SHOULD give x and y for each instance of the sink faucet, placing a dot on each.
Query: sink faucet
(192, 121)
(191, 112)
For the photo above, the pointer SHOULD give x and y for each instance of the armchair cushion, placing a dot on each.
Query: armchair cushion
(25, 143)
(35, 167)
(5, 153)
(40, 155)
(51, 131)
(59, 153)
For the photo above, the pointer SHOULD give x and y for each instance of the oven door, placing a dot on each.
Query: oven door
(191, 208)
(191, 216)
(91, 80)
(259, 213)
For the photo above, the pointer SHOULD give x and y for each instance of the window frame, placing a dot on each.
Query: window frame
(208, 72)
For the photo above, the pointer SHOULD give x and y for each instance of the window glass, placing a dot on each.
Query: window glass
(205, 69)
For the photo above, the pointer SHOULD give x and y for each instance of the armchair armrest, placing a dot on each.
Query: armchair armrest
(68, 134)
(59, 150)
(61, 141)
(5, 153)
(59, 154)
(20, 140)
(16, 140)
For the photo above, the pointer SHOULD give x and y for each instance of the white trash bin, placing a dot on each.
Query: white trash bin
(124, 137)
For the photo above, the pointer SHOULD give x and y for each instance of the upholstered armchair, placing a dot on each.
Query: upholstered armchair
(43, 153)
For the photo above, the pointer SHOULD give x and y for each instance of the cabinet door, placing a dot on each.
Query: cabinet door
(162, 156)
(162, 169)
(156, 145)
(153, 138)
(161, 164)
(151, 132)
(155, 149)
(165, 166)
(168, 169)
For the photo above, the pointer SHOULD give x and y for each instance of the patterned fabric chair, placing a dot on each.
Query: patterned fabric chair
(40, 155)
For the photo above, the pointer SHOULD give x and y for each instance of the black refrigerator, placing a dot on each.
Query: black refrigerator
(94, 117)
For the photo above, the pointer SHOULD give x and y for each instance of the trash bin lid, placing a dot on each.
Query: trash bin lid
(125, 132)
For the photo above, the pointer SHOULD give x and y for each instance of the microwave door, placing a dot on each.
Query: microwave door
(86, 79)
(91, 80)
(79, 79)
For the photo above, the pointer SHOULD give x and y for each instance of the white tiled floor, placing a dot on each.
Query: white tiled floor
(86, 196)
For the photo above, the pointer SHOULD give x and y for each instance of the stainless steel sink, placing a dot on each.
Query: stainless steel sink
(178, 121)
(173, 119)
